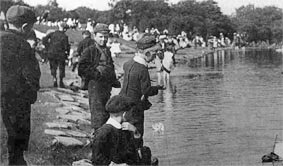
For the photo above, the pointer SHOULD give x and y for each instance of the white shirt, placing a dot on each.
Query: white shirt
(140, 60)
(114, 123)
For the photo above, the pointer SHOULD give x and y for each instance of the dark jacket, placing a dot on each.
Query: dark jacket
(137, 81)
(57, 45)
(112, 144)
(20, 72)
(97, 66)
(84, 44)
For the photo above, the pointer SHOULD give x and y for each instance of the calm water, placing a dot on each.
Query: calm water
(224, 109)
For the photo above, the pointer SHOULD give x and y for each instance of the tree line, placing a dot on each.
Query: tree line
(195, 18)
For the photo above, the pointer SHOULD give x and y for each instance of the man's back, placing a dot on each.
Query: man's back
(57, 44)
(11, 44)
(112, 144)
(84, 44)
(20, 71)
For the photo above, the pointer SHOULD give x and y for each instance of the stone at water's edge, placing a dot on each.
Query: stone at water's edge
(75, 118)
(84, 122)
(83, 162)
(63, 125)
(68, 103)
(82, 115)
(68, 141)
(66, 98)
(62, 110)
(74, 108)
(76, 134)
(55, 132)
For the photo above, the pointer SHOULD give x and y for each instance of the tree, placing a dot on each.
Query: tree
(261, 24)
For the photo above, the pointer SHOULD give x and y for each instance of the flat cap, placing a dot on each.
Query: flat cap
(63, 25)
(20, 14)
(146, 42)
(118, 104)
(102, 28)
(86, 32)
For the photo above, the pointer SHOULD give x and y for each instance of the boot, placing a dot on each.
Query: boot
(61, 83)
(55, 85)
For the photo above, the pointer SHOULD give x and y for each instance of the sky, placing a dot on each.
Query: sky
(227, 6)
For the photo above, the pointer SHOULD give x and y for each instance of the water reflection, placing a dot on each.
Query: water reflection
(226, 115)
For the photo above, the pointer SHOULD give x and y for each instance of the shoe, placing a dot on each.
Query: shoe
(61, 84)
(55, 84)
(154, 161)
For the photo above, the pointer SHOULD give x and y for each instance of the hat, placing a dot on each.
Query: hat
(148, 42)
(63, 25)
(102, 28)
(86, 32)
(20, 14)
(118, 104)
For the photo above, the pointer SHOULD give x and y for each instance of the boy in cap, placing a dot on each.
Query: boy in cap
(137, 83)
(58, 48)
(20, 76)
(114, 142)
(97, 68)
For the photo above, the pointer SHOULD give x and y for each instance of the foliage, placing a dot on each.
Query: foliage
(194, 17)
(261, 24)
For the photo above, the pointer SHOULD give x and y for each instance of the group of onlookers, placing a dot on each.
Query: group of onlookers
(117, 123)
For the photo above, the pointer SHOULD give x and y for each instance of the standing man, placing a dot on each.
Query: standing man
(137, 83)
(58, 49)
(20, 76)
(86, 42)
(96, 66)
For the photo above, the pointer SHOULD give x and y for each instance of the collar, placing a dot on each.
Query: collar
(140, 60)
(15, 32)
(114, 123)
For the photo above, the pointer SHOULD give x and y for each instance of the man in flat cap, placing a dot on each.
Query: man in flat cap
(20, 76)
(58, 48)
(86, 42)
(96, 66)
(137, 83)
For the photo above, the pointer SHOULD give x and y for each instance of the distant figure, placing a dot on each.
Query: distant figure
(86, 42)
(44, 16)
(115, 48)
(58, 48)
(3, 25)
(20, 74)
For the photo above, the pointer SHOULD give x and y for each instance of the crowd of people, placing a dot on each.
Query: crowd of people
(117, 123)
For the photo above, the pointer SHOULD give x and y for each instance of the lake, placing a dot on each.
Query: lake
(222, 109)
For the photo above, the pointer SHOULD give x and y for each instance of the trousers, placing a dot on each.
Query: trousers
(99, 93)
(16, 119)
(54, 64)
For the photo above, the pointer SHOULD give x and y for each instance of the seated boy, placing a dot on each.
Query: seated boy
(114, 141)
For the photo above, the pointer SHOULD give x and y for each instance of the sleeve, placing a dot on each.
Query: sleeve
(80, 48)
(99, 147)
(146, 87)
(87, 68)
(30, 72)
(45, 40)
(66, 46)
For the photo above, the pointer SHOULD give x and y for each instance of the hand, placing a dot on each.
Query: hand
(160, 87)
(128, 126)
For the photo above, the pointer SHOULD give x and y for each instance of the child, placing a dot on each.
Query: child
(114, 142)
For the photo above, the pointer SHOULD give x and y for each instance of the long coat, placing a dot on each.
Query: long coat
(20, 72)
